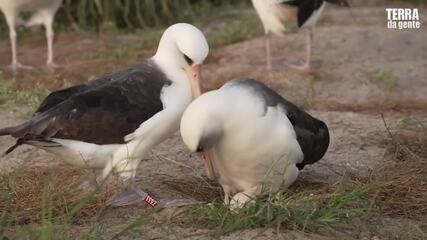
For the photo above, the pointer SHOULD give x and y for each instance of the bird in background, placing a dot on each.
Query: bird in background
(112, 123)
(43, 12)
(279, 16)
(253, 140)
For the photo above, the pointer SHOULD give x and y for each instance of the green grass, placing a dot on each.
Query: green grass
(22, 102)
(322, 210)
(131, 15)
(303, 211)
(50, 226)
(136, 14)
(142, 40)
(240, 28)
(58, 217)
(149, 39)
(337, 209)
(386, 79)
(414, 122)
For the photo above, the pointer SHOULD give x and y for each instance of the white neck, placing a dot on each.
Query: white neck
(167, 59)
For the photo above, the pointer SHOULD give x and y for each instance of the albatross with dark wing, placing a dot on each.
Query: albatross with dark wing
(114, 121)
(277, 15)
(43, 13)
(252, 139)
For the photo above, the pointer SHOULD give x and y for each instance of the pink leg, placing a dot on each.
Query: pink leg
(309, 46)
(307, 65)
(268, 51)
(12, 34)
(49, 37)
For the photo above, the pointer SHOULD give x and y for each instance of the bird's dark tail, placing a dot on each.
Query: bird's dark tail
(18, 143)
(17, 131)
(343, 3)
(12, 131)
(6, 131)
(318, 145)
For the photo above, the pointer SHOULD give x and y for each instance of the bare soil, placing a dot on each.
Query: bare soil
(351, 49)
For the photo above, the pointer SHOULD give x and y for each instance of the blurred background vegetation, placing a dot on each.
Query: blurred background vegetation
(98, 15)
(101, 15)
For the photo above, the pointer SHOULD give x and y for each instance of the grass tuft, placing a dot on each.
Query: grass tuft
(13, 100)
(404, 193)
(242, 28)
(414, 122)
(42, 194)
(45, 203)
(318, 210)
(387, 79)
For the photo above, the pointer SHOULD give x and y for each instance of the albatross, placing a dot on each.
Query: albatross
(279, 15)
(112, 122)
(253, 140)
(44, 13)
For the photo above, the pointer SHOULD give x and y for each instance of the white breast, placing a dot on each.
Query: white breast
(255, 145)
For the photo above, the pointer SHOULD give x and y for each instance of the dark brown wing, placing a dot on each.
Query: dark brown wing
(102, 111)
(59, 96)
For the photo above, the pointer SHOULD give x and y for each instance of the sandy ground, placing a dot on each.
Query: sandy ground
(351, 48)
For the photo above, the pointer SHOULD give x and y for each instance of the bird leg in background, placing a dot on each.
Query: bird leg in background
(208, 157)
(306, 67)
(268, 51)
(49, 37)
(12, 34)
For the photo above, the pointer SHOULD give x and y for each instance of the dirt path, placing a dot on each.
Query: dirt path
(346, 92)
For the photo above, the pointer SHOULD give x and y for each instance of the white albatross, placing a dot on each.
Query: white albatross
(43, 13)
(277, 16)
(112, 122)
(252, 139)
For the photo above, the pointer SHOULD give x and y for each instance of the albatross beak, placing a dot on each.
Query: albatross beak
(193, 73)
(208, 157)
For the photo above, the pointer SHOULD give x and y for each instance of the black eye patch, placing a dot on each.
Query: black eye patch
(188, 60)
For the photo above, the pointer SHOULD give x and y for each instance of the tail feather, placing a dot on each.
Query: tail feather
(316, 146)
(18, 143)
(6, 131)
(16, 131)
(34, 129)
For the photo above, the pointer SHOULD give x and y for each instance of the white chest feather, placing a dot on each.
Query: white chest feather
(258, 149)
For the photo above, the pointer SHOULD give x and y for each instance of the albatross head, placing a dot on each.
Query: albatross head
(202, 123)
(183, 46)
(202, 128)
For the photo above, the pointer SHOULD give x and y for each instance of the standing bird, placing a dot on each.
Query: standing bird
(279, 15)
(43, 13)
(252, 138)
(114, 121)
